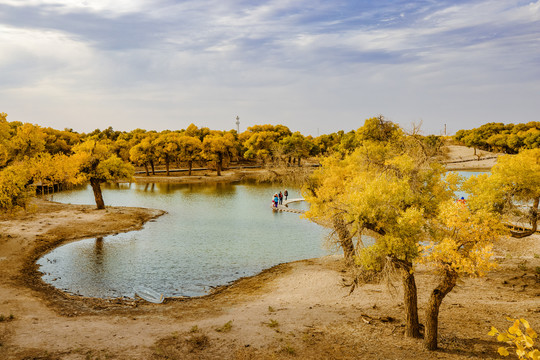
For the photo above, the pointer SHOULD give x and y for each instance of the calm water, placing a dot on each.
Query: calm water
(212, 235)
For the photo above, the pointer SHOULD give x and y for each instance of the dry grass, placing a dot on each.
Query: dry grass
(177, 346)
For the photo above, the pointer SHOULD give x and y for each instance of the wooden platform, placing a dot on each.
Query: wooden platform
(286, 208)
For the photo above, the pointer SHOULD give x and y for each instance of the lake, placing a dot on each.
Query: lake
(212, 235)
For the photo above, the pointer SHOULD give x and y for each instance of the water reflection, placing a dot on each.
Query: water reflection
(98, 253)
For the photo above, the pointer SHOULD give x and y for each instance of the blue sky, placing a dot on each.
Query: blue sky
(314, 66)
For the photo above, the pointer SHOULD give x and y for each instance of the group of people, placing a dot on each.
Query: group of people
(278, 198)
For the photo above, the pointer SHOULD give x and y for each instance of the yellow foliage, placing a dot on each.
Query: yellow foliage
(386, 186)
(95, 161)
(513, 187)
(218, 147)
(28, 141)
(60, 168)
(14, 192)
(515, 338)
(462, 239)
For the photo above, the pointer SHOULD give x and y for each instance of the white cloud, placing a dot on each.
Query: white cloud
(159, 65)
(483, 13)
(32, 57)
(66, 6)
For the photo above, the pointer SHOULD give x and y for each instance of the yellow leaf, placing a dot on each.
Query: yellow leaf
(529, 342)
(534, 355)
(525, 323)
(503, 352)
(502, 338)
(514, 328)
(493, 331)
(530, 332)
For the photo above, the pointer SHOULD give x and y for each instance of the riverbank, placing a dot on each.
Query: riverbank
(457, 158)
(296, 310)
(464, 158)
(278, 174)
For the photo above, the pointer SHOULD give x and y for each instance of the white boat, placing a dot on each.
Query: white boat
(149, 295)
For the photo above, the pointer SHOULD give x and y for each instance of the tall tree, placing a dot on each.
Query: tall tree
(260, 146)
(218, 148)
(189, 149)
(389, 185)
(143, 154)
(97, 164)
(297, 146)
(167, 148)
(461, 244)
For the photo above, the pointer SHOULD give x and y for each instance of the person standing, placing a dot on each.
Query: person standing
(286, 193)
(276, 200)
(280, 198)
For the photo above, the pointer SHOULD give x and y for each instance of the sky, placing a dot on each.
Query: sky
(316, 66)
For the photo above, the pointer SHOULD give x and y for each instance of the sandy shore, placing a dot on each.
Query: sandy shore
(300, 310)
(464, 158)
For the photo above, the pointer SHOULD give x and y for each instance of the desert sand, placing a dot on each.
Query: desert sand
(464, 158)
(298, 310)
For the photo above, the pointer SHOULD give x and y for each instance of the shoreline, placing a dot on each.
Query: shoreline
(31, 276)
(28, 273)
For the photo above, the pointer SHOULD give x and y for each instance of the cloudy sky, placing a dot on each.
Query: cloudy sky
(316, 66)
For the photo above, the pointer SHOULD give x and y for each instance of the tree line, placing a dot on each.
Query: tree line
(31, 154)
(499, 137)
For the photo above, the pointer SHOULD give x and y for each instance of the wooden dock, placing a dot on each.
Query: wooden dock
(285, 207)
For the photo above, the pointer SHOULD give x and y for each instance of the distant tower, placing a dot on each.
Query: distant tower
(238, 125)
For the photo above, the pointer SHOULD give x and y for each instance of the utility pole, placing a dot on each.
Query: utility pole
(238, 124)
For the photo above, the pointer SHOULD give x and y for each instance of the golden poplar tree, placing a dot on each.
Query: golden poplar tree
(97, 164)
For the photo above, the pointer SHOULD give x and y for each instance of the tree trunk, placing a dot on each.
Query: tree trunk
(146, 168)
(299, 158)
(534, 215)
(152, 165)
(432, 312)
(533, 220)
(167, 164)
(96, 187)
(410, 298)
(218, 165)
(345, 239)
(190, 166)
